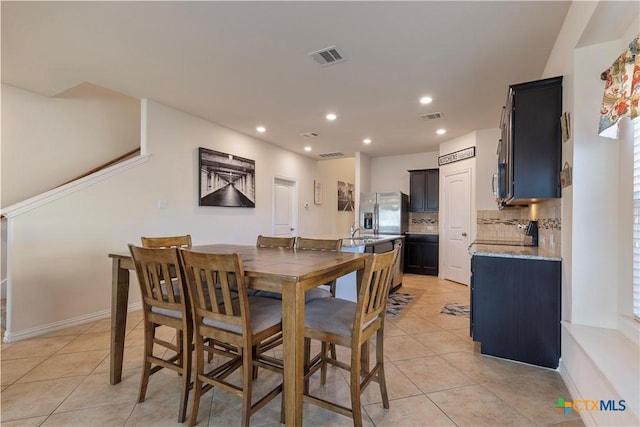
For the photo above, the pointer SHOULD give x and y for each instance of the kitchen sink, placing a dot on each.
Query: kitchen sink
(364, 239)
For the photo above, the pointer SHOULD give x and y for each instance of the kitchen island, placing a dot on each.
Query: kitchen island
(346, 286)
(515, 302)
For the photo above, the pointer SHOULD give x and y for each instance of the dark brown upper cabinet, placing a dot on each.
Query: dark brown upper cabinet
(423, 189)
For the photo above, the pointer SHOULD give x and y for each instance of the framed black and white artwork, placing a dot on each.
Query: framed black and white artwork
(345, 196)
(226, 180)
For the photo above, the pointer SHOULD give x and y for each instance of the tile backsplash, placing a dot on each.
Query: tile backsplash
(504, 224)
(423, 222)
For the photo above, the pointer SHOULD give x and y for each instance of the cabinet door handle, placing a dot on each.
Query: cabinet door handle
(464, 234)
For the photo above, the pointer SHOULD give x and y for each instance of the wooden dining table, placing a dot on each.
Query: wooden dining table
(289, 272)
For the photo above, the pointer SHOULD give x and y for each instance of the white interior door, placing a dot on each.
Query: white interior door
(456, 197)
(285, 212)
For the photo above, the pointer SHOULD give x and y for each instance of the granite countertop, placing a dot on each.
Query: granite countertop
(360, 239)
(513, 251)
(434, 232)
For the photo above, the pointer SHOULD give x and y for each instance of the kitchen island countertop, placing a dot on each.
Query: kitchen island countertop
(359, 240)
(429, 233)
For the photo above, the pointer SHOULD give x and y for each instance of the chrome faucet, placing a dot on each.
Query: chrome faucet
(354, 230)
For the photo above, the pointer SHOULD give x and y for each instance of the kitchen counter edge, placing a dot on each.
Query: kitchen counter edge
(347, 242)
(507, 251)
(428, 233)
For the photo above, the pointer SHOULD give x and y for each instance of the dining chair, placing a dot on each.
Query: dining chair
(311, 294)
(275, 242)
(167, 242)
(182, 242)
(332, 245)
(241, 323)
(352, 325)
(165, 302)
(307, 244)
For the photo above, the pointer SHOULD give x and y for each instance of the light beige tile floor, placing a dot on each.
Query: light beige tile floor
(435, 373)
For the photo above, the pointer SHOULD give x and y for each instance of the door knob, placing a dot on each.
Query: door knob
(464, 234)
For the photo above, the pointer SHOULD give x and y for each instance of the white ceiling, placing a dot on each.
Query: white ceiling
(241, 64)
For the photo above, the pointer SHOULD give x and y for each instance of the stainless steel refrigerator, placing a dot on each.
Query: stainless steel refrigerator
(384, 213)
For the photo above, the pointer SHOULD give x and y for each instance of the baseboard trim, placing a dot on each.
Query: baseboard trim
(56, 326)
(586, 417)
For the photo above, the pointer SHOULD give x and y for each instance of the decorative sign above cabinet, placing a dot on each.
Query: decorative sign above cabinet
(456, 156)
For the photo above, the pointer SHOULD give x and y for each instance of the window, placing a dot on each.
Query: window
(636, 217)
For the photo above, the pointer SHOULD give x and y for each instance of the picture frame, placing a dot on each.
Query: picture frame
(225, 179)
(317, 193)
(345, 196)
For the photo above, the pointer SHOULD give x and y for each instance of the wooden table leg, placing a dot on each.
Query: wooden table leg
(293, 352)
(119, 303)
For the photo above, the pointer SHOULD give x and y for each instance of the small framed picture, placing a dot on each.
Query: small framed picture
(317, 193)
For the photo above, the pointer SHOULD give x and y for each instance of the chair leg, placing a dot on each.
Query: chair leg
(382, 381)
(210, 353)
(323, 367)
(255, 351)
(247, 382)
(179, 341)
(356, 410)
(197, 382)
(149, 333)
(307, 365)
(185, 362)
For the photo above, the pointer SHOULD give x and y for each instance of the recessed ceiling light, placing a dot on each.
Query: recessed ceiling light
(367, 140)
(307, 148)
(441, 131)
(331, 117)
(261, 129)
(426, 100)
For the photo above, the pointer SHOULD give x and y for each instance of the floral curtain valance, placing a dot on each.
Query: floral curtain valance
(621, 91)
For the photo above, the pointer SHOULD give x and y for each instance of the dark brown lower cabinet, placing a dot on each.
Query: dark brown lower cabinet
(421, 254)
(515, 308)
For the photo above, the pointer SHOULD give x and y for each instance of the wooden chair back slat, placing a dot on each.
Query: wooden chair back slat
(275, 242)
(167, 242)
(374, 288)
(318, 244)
(160, 276)
(223, 273)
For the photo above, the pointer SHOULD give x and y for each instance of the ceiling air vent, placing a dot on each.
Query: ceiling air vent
(309, 134)
(331, 155)
(431, 116)
(327, 56)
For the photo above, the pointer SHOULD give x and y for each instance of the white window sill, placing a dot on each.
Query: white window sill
(614, 355)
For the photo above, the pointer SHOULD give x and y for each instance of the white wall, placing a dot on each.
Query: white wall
(60, 273)
(626, 323)
(595, 196)
(330, 172)
(363, 178)
(486, 164)
(390, 173)
(48, 141)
